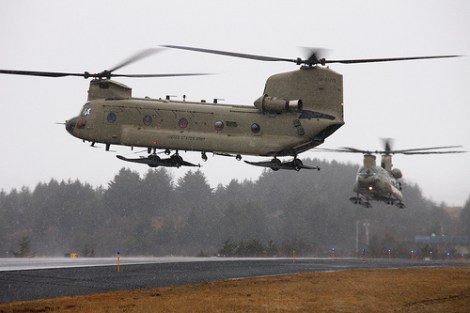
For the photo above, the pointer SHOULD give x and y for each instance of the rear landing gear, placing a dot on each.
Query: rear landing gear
(275, 164)
(400, 205)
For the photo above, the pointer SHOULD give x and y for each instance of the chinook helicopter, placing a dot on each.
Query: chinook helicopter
(382, 183)
(296, 111)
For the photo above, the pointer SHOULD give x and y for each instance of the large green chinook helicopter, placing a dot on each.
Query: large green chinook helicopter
(296, 111)
(382, 183)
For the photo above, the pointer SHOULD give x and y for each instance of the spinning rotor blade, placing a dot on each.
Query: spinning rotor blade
(347, 150)
(433, 152)
(387, 143)
(313, 59)
(158, 75)
(428, 150)
(232, 54)
(39, 73)
(106, 73)
(390, 59)
(404, 151)
(136, 57)
(97, 75)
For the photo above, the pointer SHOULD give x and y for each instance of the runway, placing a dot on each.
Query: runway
(37, 278)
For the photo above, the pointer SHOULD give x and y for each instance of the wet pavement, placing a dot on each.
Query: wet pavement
(50, 278)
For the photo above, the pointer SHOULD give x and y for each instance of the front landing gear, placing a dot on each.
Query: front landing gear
(361, 201)
(153, 160)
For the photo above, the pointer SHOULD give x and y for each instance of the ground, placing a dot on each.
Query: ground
(423, 290)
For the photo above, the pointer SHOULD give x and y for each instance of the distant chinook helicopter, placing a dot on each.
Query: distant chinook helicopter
(296, 111)
(382, 183)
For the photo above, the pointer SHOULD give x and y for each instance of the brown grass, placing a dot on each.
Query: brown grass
(401, 290)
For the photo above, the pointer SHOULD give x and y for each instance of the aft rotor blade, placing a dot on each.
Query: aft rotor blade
(40, 73)
(433, 152)
(312, 60)
(387, 144)
(404, 151)
(353, 61)
(409, 151)
(232, 54)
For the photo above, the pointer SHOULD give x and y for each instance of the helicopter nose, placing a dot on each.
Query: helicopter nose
(70, 125)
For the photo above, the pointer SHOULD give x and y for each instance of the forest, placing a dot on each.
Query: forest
(307, 213)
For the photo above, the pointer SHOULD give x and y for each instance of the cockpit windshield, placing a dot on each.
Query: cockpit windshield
(86, 110)
(367, 172)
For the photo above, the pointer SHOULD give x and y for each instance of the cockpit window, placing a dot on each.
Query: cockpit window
(367, 172)
(86, 110)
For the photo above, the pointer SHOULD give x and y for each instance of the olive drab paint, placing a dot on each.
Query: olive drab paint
(300, 109)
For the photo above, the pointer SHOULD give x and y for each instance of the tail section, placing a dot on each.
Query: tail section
(319, 89)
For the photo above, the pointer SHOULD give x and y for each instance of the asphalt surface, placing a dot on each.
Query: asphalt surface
(29, 284)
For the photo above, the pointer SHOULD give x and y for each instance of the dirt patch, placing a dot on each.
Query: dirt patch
(400, 290)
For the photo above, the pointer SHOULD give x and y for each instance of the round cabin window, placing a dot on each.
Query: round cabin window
(111, 118)
(219, 125)
(183, 122)
(255, 128)
(147, 120)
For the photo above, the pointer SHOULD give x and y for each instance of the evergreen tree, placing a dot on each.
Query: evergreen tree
(308, 212)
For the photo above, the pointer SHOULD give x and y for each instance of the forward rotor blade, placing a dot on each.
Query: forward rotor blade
(40, 73)
(345, 150)
(104, 74)
(96, 75)
(158, 75)
(354, 150)
(136, 57)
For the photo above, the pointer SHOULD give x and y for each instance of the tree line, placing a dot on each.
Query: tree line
(308, 212)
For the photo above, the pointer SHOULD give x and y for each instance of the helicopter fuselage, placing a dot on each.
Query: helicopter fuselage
(164, 124)
(376, 183)
(297, 111)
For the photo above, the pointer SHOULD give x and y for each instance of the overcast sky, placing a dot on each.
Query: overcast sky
(418, 103)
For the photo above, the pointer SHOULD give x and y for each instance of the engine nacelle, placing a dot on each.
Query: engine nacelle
(397, 173)
(277, 105)
(108, 89)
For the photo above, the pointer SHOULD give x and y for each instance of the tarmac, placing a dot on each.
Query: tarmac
(39, 278)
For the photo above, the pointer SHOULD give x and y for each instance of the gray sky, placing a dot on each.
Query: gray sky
(418, 103)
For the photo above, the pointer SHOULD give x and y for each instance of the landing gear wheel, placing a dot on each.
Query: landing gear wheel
(275, 164)
(154, 157)
(177, 160)
(298, 164)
